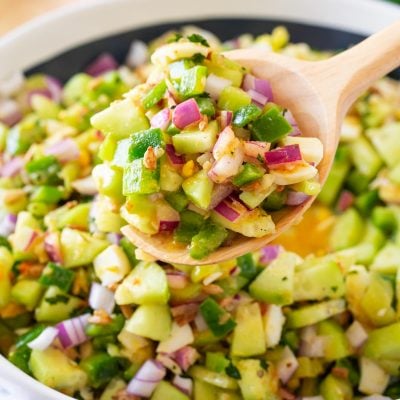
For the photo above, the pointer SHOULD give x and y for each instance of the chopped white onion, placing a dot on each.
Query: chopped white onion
(44, 340)
(101, 298)
(179, 337)
(7, 225)
(215, 85)
(287, 365)
(85, 186)
(138, 54)
(184, 384)
(356, 334)
(11, 85)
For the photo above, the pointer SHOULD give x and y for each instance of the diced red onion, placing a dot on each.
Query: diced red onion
(103, 63)
(114, 237)
(30, 238)
(169, 363)
(161, 119)
(296, 198)
(71, 332)
(287, 365)
(258, 98)
(10, 112)
(137, 54)
(283, 155)
(215, 85)
(7, 225)
(44, 340)
(226, 118)
(55, 88)
(65, 150)
(175, 159)
(12, 167)
(85, 186)
(219, 193)
(100, 298)
(185, 313)
(168, 226)
(290, 118)
(200, 323)
(184, 384)
(346, 199)
(262, 86)
(255, 149)
(186, 113)
(225, 209)
(177, 281)
(356, 335)
(52, 247)
(11, 85)
(270, 253)
(186, 357)
(146, 379)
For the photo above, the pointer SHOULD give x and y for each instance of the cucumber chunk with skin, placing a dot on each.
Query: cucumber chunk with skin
(198, 188)
(336, 344)
(164, 390)
(383, 343)
(333, 388)
(217, 379)
(56, 370)
(27, 292)
(275, 283)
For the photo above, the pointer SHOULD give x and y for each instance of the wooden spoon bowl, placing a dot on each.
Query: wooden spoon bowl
(318, 94)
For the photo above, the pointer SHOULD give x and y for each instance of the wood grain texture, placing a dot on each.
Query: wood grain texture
(15, 12)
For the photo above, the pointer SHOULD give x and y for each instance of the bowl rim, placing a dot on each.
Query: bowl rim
(19, 51)
(94, 19)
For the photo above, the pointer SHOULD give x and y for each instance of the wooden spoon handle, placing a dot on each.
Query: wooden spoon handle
(354, 70)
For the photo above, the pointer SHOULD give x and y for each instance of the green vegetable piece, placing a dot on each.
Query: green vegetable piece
(275, 283)
(112, 389)
(100, 369)
(336, 345)
(366, 202)
(204, 390)
(177, 68)
(347, 231)
(146, 284)
(275, 201)
(129, 249)
(257, 383)
(172, 130)
(216, 361)
(56, 306)
(225, 68)
(243, 116)
(154, 95)
(151, 321)
(323, 280)
(47, 194)
(352, 368)
(108, 180)
(270, 126)
(54, 275)
(209, 238)
(120, 119)
(75, 88)
(383, 343)
(79, 248)
(189, 225)
(248, 267)
(107, 148)
(232, 98)
(140, 180)
(141, 141)
(177, 200)
(75, 217)
(193, 81)
(217, 319)
(164, 390)
(53, 368)
(249, 325)
(365, 158)
(311, 314)
(44, 170)
(333, 388)
(198, 188)
(121, 156)
(170, 179)
(193, 142)
(219, 380)
(384, 219)
(27, 292)
(357, 182)
(206, 106)
(20, 358)
(249, 173)
(387, 260)
(27, 337)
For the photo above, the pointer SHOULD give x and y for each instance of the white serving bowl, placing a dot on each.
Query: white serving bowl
(72, 26)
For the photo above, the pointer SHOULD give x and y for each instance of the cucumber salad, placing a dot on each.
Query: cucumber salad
(192, 145)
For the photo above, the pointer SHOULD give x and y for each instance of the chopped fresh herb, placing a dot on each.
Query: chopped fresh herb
(198, 58)
(196, 38)
(175, 38)
(60, 298)
(232, 371)
(53, 275)
(264, 364)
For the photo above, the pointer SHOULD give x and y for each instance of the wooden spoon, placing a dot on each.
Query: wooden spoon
(318, 94)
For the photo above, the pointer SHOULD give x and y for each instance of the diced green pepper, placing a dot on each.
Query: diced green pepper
(217, 319)
(247, 266)
(216, 361)
(245, 115)
(27, 337)
(275, 201)
(206, 106)
(154, 95)
(193, 81)
(20, 358)
(44, 170)
(47, 194)
(129, 249)
(177, 200)
(53, 275)
(209, 238)
(249, 173)
(115, 326)
(366, 202)
(140, 180)
(270, 126)
(189, 225)
(100, 368)
(141, 141)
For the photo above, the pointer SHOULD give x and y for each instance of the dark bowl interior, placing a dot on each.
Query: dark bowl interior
(72, 61)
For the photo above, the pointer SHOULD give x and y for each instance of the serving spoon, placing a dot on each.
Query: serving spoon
(318, 93)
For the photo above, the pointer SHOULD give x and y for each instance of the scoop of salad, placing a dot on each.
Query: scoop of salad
(201, 152)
